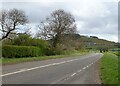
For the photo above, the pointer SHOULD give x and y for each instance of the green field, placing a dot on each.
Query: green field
(109, 68)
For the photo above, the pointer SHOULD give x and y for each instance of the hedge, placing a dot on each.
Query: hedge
(11, 51)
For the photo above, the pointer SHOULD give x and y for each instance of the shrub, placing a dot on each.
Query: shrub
(42, 44)
(26, 40)
(11, 51)
(22, 40)
(49, 51)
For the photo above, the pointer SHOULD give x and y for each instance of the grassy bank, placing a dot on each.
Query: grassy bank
(109, 68)
(20, 60)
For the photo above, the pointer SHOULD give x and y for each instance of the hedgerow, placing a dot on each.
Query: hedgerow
(11, 51)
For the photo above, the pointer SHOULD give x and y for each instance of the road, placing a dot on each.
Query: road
(70, 70)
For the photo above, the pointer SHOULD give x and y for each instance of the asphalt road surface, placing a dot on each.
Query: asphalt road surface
(70, 70)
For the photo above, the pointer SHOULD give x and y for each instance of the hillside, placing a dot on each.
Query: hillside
(94, 42)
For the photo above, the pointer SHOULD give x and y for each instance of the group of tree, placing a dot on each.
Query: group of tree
(55, 32)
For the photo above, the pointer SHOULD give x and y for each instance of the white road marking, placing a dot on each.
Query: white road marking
(76, 73)
(37, 67)
(84, 68)
(68, 77)
(73, 74)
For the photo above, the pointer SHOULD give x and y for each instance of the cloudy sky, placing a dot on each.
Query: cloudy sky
(93, 17)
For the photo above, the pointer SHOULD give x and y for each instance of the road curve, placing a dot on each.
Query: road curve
(70, 70)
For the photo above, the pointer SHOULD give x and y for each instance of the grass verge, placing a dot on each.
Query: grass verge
(109, 68)
(6, 61)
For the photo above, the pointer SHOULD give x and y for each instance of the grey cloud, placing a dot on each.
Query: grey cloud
(35, 10)
(99, 25)
(93, 25)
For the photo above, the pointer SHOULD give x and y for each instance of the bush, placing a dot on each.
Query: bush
(26, 40)
(22, 40)
(42, 44)
(11, 51)
(49, 51)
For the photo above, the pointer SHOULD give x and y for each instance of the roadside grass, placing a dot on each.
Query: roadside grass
(6, 61)
(109, 68)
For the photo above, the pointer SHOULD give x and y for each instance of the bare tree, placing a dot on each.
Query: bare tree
(56, 26)
(9, 21)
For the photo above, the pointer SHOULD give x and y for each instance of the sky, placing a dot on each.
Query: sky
(93, 17)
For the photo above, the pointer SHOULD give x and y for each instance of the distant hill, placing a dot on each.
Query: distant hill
(93, 42)
(93, 39)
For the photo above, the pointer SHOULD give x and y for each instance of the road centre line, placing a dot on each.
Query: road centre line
(75, 73)
(39, 67)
